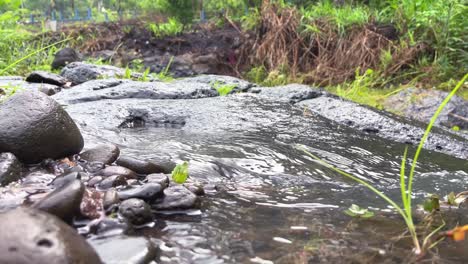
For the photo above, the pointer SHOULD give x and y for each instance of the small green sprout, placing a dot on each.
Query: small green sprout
(452, 199)
(456, 128)
(432, 203)
(223, 89)
(180, 173)
(358, 212)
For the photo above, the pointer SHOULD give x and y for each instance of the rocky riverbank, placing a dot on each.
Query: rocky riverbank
(121, 182)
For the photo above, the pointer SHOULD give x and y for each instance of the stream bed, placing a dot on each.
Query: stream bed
(266, 201)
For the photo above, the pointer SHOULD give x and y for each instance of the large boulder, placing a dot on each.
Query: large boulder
(65, 56)
(32, 236)
(34, 127)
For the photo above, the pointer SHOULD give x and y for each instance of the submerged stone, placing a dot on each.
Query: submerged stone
(31, 236)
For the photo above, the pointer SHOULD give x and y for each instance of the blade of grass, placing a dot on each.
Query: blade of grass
(426, 135)
(31, 54)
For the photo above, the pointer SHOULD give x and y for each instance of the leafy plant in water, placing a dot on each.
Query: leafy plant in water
(356, 211)
(406, 186)
(180, 173)
(223, 89)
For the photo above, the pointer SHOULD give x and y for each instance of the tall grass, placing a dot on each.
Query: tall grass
(406, 186)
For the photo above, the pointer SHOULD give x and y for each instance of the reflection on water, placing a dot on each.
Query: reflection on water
(272, 202)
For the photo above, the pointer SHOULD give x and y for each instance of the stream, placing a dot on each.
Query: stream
(266, 201)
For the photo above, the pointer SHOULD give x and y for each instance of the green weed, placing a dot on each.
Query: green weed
(171, 28)
(406, 186)
(223, 89)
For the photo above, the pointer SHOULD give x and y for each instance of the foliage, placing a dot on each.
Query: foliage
(406, 186)
(223, 89)
(171, 28)
(356, 211)
(180, 173)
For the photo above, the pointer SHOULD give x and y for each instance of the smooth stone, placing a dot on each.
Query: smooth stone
(64, 57)
(32, 236)
(148, 192)
(80, 72)
(124, 249)
(111, 198)
(63, 202)
(139, 166)
(35, 127)
(112, 181)
(105, 153)
(159, 178)
(10, 168)
(46, 77)
(136, 211)
(94, 181)
(65, 179)
(118, 170)
(197, 189)
(177, 197)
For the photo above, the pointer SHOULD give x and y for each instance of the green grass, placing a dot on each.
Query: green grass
(406, 186)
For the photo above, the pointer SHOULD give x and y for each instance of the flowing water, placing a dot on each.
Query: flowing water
(267, 201)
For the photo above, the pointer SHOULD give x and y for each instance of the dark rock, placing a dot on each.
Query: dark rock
(10, 168)
(21, 85)
(102, 89)
(148, 192)
(65, 56)
(35, 127)
(105, 153)
(65, 179)
(94, 181)
(46, 77)
(421, 104)
(32, 236)
(135, 211)
(112, 181)
(385, 125)
(239, 84)
(139, 166)
(110, 199)
(177, 197)
(158, 178)
(63, 202)
(292, 92)
(124, 249)
(197, 189)
(79, 72)
(118, 170)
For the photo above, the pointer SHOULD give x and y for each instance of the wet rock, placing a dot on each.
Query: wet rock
(197, 189)
(136, 211)
(10, 168)
(65, 56)
(94, 167)
(177, 197)
(292, 92)
(32, 236)
(158, 178)
(21, 85)
(382, 124)
(91, 205)
(80, 72)
(94, 181)
(112, 181)
(46, 77)
(118, 170)
(148, 192)
(65, 179)
(105, 153)
(123, 249)
(111, 198)
(134, 89)
(35, 127)
(421, 104)
(139, 166)
(239, 84)
(63, 202)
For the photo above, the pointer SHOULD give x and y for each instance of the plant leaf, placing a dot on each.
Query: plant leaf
(180, 173)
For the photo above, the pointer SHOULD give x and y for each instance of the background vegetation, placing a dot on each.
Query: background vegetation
(350, 46)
